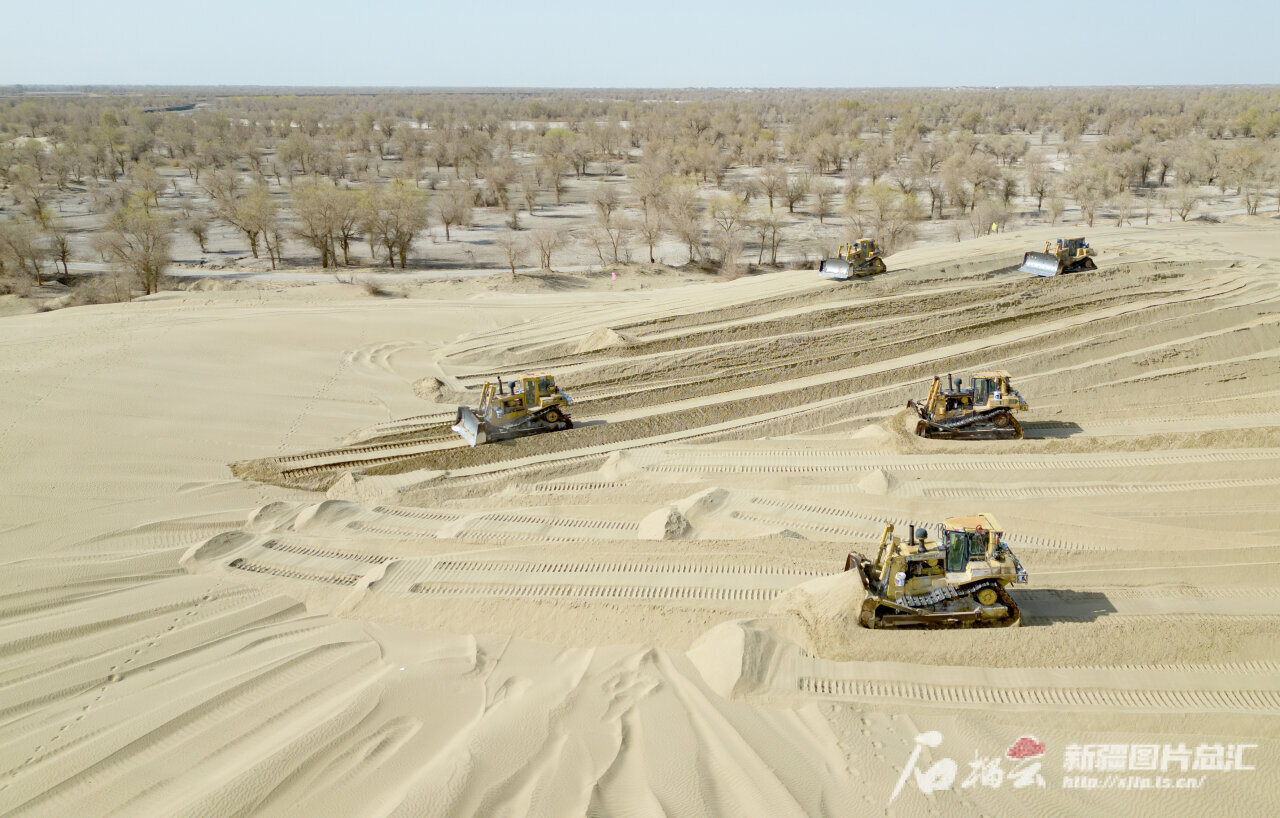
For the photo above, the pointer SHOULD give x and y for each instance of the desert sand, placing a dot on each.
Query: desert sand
(249, 570)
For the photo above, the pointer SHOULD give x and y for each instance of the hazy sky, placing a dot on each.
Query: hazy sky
(661, 43)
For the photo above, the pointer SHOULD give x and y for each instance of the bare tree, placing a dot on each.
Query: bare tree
(726, 215)
(651, 229)
(197, 224)
(797, 188)
(59, 238)
(1089, 199)
(1056, 207)
(1184, 201)
(1038, 180)
(605, 200)
(766, 226)
(553, 169)
(139, 242)
(257, 215)
(148, 184)
(824, 195)
(773, 182)
(1123, 204)
(547, 241)
(684, 217)
(528, 184)
(513, 247)
(1148, 206)
(314, 206)
(393, 219)
(454, 207)
(21, 250)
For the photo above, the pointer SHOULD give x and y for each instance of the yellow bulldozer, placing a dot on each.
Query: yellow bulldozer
(983, 411)
(957, 579)
(531, 405)
(1060, 256)
(860, 258)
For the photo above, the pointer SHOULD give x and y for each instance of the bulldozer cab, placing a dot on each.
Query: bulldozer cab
(864, 249)
(538, 389)
(974, 536)
(992, 389)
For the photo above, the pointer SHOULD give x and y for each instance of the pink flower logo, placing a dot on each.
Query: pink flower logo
(1026, 747)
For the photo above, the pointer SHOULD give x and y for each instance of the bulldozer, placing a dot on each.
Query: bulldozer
(1060, 256)
(860, 258)
(956, 580)
(531, 405)
(983, 411)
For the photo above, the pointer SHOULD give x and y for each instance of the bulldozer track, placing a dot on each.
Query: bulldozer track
(516, 536)
(1191, 593)
(529, 519)
(1173, 619)
(604, 592)
(542, 488)
(1242, 701)
(388, 531)
(358, 450)
(311, 551)
(1033, 492)
(284, 572)
(418, 514)
(1238, 668)
(869, 461)
(621, 568)
(342, 465)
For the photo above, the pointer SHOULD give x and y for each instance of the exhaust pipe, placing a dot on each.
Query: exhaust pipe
(911, 535)
(951, 384)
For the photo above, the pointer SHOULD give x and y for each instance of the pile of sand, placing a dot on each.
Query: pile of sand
(822, 614)
(602, 339)
(434, 390)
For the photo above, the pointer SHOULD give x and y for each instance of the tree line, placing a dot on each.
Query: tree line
(728, 176)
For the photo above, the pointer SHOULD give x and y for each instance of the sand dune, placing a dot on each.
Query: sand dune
(645, 614)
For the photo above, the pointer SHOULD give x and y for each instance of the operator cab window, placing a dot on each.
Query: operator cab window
(981, 389)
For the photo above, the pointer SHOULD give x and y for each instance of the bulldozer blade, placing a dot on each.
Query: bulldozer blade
(469, 427)
(1040, 264)
(836, 268)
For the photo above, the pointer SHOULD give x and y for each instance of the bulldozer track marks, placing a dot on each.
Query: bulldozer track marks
(333, 554)
(1243, 701)
(870, 461)
(357, 450)
(620, 568)
(343, 465)
(388, 531)
(603, 592)
(419, 514)
(1232, 668)
(529, 519)
(286, 572)
(543, 488)
(1173, 619)
(1032, 492)
(1191, 593)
